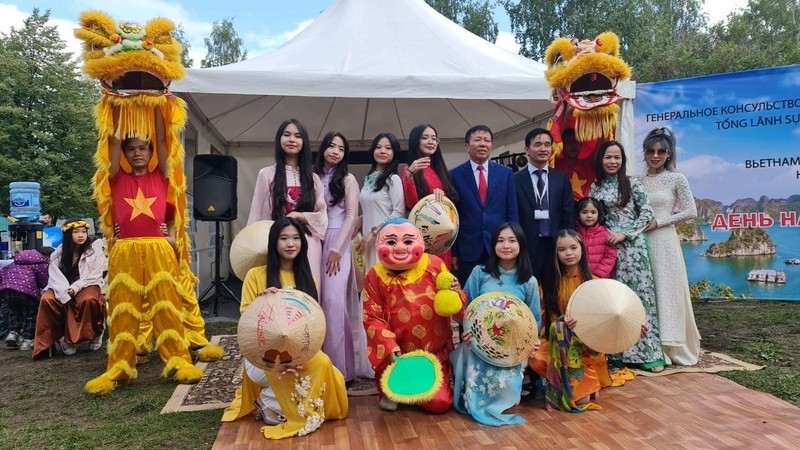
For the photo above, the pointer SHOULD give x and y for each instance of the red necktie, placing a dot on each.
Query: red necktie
(482, 189)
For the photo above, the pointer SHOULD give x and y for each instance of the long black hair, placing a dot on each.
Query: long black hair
(391, 168)
(437, 164)
(308, 195)
(336, 185)
(598, 205)
(68, 265)
(624, 190)
(524, 267)
(303, 279)
(551, 284)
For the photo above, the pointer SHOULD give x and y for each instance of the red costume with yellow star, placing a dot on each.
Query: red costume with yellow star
(399, 314)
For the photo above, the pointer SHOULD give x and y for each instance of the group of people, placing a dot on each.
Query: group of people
(53, 298)
(522, 233)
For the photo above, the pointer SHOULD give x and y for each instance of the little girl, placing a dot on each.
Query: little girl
(481, 389)
(591, 218)
(71, 309)
(570, 383)
(272, 393)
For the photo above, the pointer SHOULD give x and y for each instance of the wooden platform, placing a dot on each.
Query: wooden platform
(680, 411)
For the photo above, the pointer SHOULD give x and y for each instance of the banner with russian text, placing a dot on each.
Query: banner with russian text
(738, 139)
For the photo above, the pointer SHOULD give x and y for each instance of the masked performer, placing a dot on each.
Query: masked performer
(399, 311)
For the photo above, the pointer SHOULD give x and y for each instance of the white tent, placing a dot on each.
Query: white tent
(365, 67)
(361, 68)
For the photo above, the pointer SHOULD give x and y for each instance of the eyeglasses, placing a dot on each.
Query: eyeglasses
(653, 151)
(433, 139)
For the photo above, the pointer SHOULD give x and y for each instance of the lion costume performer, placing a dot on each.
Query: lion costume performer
(149, 281)
(402, 311)
(583, 76)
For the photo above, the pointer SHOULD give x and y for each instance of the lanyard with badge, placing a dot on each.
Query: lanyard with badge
(541, 213)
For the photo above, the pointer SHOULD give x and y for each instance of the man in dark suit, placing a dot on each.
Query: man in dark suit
(545, 201)
(486, 198)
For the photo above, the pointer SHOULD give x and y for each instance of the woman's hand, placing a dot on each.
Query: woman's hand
(644, 331)
(651, 226)
(365, 240)
(298, 216)
(334, 263)
(71, 292)
(570, 322)
(438, 194)
(269, 290)
(419, 164)
(536, 346)
(615, 239)
(466, 336)
(290, 371)
(357, 226)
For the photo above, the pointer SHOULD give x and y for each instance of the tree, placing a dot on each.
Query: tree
(766, 33)
(224, 45)
(474, 15)
(649, 31)
(180, 35)
(47, 131)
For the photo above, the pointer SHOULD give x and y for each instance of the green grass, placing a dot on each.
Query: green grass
(45, 406)
(759, 332)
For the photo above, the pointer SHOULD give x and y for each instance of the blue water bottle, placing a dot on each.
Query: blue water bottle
(24, 199)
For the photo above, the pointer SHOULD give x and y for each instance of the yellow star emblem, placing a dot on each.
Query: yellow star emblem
(141, 205)
(577, 184)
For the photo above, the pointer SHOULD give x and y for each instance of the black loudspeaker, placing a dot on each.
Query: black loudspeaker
(215, 188)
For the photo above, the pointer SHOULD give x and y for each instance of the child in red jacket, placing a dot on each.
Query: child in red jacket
(591, 217)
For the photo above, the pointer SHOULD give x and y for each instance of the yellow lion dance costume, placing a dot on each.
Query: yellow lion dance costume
(135, 66)
(583, 76)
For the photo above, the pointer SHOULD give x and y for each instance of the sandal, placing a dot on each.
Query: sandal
(267, 415)
(657, 369)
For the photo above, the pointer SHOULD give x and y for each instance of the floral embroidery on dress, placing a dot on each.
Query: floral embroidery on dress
(312, 409)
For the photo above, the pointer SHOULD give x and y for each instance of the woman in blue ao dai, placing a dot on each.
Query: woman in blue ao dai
(481, 389)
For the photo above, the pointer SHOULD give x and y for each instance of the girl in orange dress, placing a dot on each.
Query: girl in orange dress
(574, 372)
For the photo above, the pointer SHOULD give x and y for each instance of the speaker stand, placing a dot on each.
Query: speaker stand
(216, 284)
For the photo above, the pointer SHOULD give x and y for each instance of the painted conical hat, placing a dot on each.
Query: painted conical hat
(249, 248)
(503, 328)
(281, 330)
(437, 222)
(609, 314)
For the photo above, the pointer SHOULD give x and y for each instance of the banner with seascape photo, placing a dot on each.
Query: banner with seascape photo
(738, 143)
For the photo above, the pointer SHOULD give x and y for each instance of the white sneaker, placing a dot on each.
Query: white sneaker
(96, 343)
(27, 345)
(65, 347)
(12, 339)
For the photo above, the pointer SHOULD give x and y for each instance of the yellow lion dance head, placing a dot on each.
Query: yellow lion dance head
(584, 75)
(128, 58)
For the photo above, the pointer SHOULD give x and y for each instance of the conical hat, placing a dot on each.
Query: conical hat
(281, 330)
(503, 328)
(249, 248)
(437, 222)
(609, 314)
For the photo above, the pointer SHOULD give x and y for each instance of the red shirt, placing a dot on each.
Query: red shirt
(139, 203)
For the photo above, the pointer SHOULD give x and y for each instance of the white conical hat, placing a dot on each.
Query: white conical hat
(249, 248)
(281, 330)
(609, 314)
(437, 221)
